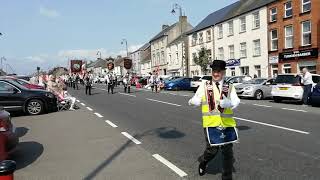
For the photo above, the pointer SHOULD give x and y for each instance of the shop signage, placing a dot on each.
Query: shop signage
(273, 59)
(296, 54)
(233, 62)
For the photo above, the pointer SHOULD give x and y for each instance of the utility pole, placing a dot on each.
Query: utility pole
(2, 59)
(126, 42)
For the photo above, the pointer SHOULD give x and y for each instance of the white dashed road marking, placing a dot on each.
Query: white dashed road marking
(89, 109)
(172, 94)
(111, 124)
(271, 125)
(82, 104)
(298, 110)
(128, 94)
(170, 165)
(163, 102)
(261, 105)
(99, 115)
(131, 138)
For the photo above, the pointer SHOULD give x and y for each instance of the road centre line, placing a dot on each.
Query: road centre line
(111, 124)
(82, 104)
(89, 109)
(298, 110)
(271, 125)
(170, 165)
(163, 102)
(127, 94)
(130, 137)
(261, 105)
(99, 115)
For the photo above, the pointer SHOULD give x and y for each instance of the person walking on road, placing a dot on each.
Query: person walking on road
(127, 83)
(218, 99)
(110, 82)
(88, 82)
(307, 82)
(76, 82)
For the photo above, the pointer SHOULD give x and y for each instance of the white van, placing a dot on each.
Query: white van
(289, 87)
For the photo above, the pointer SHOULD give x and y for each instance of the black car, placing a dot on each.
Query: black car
(315, 96)
(15, 97)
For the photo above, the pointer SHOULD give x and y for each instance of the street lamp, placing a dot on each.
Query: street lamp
(126, 42)
(178, 7)
(2, 59)
(99, 54)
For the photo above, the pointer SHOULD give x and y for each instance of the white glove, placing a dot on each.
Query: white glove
(195, 101)
(225, 102)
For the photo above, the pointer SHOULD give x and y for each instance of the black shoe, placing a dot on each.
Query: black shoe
(202, 168)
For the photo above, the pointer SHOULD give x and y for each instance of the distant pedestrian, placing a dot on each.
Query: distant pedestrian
(127, 83)
(307, 82)
(110, 82)
(88, 83)
(76, 82)
(255, 76)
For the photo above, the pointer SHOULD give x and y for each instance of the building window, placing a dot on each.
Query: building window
(220, 53)
(288, 9)
(274, 40)
(194, 55)
(177, 57)
(209, 54)
(200, 37)
(243, 50)
(256, 48)
(230, 25)
(208, 35)
(231, 52)
(233, 71)
(273, 14)
(243, 26)
(288, 36)
(256, 20)
(170, 60)
(287, 68)
(244, 70)
(306, 33)
(220, 31)
(274, 69)
(258, 70)
(194, 39)
(306, 6)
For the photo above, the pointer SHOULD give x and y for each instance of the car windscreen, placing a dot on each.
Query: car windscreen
(287, 79)
(195, 78)
(15, 83)
(255, 81)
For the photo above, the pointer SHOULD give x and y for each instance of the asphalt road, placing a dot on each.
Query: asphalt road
(277, 141)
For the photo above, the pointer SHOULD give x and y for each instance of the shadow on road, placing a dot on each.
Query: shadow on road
(27, 153)
(243, 128)
(162, 132)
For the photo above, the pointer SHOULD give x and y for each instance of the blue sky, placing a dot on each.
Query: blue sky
(47, 33)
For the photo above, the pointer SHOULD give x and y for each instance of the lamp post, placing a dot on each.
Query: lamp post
(126, 42)
(173, 11)
(2, 59)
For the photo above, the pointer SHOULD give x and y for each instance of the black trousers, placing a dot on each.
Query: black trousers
(76, 85)
(227, 157)
(306, 93)
(88, 90)
(110, 87)
(126, 88)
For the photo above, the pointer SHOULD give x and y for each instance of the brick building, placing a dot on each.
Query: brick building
(294, 36)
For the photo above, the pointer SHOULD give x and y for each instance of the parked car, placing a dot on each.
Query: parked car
(8, 137)
(172, 78)
(315, 96)
(179, 84)
(236, 80)
(289, 87)
(196, 81)
(258, 88)
(143, 81)
(15, 97)
(23, 82)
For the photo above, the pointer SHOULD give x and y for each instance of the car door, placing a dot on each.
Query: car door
(10, 96)
(267, 88)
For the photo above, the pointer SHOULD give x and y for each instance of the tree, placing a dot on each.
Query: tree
(202, 60)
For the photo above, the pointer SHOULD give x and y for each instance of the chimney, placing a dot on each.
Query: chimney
(164, 27)
(183, 20)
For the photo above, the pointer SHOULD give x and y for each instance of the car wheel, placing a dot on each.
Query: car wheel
(277, 99)
(34, 107)
(258, 95)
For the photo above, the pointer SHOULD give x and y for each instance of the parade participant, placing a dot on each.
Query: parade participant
(218, 99)
(127, 83)
(152, 81)
(88, 83)
(110, 82)
(76, 82)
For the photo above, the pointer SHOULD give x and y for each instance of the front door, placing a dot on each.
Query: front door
(10, 96)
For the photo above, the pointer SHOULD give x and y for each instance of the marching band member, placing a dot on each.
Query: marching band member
(218, 99)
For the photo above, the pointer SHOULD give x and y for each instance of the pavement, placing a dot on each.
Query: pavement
(165, 137)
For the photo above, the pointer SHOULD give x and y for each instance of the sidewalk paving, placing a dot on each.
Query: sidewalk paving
(79, 145)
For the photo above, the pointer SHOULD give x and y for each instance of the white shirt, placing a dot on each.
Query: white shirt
(307, 79)
(196, 99)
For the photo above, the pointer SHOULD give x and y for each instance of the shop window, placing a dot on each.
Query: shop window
(233, 71)
(244, 70)
(287, 68)
(258, 70)
(274, 69)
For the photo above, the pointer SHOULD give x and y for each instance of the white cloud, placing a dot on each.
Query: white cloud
(83, 53)
(38, 58)
(51, 13)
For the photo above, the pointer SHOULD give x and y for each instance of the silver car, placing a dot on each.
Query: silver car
(258, 88)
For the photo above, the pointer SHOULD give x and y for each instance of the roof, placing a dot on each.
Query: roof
(178, 39)
(144, 47)
(233, 10)
(163, 32)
